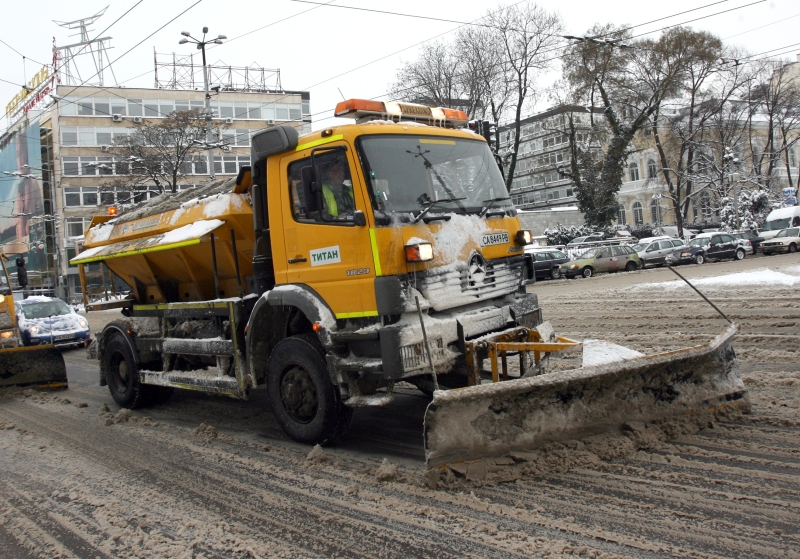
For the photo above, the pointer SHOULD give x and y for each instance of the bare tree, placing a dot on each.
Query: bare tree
(527, 34)
(629, 80)
(155, 154)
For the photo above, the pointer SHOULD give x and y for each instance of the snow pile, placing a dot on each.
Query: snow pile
(599, 352)
(167, 201)
(761, 277)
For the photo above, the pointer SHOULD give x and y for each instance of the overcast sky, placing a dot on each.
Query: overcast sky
(326, 50)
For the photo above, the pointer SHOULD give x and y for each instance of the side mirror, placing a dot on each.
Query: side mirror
(359, 218)
(310, 188)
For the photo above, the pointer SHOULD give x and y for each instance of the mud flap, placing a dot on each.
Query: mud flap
(41, 366)
(492, 420)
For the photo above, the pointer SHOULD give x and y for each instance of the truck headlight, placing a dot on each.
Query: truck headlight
(7, 334)
(419, 252)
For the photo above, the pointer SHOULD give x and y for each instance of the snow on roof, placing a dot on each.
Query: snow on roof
(783, 213)
(789, 277)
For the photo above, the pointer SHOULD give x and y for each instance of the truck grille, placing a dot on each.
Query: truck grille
(480, 279)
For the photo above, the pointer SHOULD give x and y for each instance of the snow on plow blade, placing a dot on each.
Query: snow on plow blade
(37, 365)
(491, 420)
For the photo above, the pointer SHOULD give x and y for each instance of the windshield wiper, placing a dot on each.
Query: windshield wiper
(432, 203)
(491, 203)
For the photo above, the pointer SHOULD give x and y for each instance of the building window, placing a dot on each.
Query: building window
(652, 169)
(633, 172)
(77, 225)
(621, 215)
(80, 196)
(638, 216)
(655, 211)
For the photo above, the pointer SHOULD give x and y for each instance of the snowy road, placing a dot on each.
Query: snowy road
(209, 477)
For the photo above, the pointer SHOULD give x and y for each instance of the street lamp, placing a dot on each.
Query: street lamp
(201, 45)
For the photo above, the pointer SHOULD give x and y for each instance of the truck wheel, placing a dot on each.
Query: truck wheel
(588, 272)
(739, 254)
(699, 258)
(305, 402)
(122, 374)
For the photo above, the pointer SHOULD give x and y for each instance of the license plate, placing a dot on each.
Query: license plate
(64, 337)
(494, 239)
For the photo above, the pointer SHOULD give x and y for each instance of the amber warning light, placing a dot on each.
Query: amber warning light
(364, 110)
(112, 210)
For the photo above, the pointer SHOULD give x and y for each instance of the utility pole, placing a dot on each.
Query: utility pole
(201, 46)
(729, 162)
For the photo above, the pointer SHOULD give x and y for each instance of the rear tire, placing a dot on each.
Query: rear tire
(631, 267)
(305, 402)
(588, 272)
(555, 273)
(699, 259)
(122, 374)
(739, 254)
(792, 248)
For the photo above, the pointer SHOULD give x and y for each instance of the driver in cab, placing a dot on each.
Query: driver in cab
(337, 190)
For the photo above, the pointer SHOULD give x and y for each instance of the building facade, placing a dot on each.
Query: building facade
(74, 178)
(544, 147)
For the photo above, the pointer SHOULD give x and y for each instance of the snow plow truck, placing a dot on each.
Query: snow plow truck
(40, 366)
(352, 258)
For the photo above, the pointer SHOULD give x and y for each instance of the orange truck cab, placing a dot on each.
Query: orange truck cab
(379, 251)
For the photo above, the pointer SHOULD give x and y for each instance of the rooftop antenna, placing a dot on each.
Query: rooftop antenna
(96, 48)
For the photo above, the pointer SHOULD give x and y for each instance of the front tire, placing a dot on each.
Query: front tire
(122, 374)
(739, 254)
(699, 259)
(588, 272)
(305, 402)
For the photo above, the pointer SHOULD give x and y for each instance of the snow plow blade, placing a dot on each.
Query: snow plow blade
(491, 420)
(41, 366)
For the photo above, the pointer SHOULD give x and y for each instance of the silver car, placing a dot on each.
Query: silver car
(654, 253)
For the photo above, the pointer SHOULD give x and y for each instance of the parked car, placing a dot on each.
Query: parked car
(547, 262)
(754, 240)
(787, 240)
(654, 250)
(45, 320)
(588, 239)
(603, 259)
(707, 246)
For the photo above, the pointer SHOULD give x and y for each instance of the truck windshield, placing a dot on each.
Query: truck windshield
(408, 174)
(776, 224)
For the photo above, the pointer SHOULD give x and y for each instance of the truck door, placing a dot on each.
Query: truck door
(325, 249)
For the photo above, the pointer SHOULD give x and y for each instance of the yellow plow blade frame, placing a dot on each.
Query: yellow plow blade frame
(41, 366)
(491, 420)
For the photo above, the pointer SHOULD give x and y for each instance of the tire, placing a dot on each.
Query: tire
(122, 374)
(699, 259)
(740, 254)
(587, 272)
(792, 248)
(305, 402)
(631, 267)
(555, 273)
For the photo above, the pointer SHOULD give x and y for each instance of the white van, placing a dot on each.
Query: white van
(780, 219)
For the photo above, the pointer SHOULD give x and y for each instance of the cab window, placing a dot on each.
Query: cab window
(338, 197)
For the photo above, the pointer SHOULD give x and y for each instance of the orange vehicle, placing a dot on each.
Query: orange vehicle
(341, 263)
